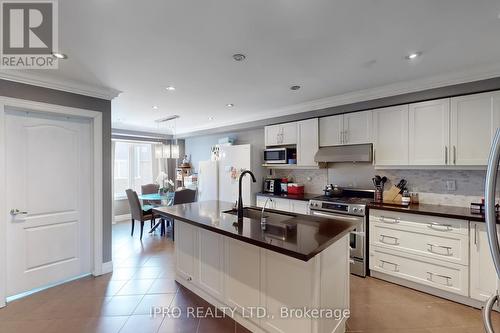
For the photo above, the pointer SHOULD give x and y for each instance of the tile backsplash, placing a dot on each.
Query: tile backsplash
(431, 184)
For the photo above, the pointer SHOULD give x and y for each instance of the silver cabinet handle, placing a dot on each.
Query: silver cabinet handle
(454, 155)
(447, 248)
(382, 262)
(475, 234)
(15, 212)
(383, 237)
(374, 156)
(431, 278)
(439, 226)
(445, 154)
(389, 220)
(346, 137)
(358, 233)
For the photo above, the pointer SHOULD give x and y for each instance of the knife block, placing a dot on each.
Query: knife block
(393, 194)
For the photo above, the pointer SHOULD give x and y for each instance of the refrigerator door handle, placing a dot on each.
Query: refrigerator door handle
(488, 327)
(490, 187)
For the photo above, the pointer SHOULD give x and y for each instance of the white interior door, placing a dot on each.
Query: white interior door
(48, 179)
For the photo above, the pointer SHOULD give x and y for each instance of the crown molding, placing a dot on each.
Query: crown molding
(60, 84)
(394, 89)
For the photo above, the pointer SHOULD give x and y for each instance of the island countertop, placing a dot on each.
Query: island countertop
(312, 234)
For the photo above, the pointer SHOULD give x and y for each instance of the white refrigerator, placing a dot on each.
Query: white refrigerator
(218, 180)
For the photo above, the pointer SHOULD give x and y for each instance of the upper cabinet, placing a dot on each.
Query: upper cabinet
(281, 134)
(307, 142)
(474, 119)
(346, 129)
(390, 132)
(429, 135)
(331, 130)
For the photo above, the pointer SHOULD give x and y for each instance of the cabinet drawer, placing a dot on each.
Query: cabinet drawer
(434, 273)
(431, 224)
(450, 247)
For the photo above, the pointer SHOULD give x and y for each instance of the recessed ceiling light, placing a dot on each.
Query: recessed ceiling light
(295, 87)
(230, 105)
(170, 88)
(211, 118)
(239, 57)
(155, 107)
(59, 55)
(413, 56)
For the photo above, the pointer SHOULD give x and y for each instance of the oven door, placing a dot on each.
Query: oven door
(275, 156)
(357, 236)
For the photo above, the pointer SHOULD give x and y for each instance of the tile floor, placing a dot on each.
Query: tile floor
(144, 276)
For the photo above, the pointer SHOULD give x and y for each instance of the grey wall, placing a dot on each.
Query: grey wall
(45, 95)
(198, 148)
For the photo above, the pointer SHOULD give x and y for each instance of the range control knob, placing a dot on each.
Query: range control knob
(355, 209)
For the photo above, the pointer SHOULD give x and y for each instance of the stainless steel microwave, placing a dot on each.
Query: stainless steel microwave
(279, 155)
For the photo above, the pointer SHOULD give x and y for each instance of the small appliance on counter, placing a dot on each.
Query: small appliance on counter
(284, 185)
(279, 155)
(295, 188)
(272, 185)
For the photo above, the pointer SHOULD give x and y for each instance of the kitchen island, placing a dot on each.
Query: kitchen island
(290, 276)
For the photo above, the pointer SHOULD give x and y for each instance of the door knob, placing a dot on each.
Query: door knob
(15, 212)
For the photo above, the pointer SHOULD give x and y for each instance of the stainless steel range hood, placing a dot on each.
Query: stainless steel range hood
(347, 153)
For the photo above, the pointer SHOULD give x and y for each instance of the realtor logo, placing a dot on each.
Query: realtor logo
(29, 34)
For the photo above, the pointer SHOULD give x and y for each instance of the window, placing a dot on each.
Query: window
(133, 167)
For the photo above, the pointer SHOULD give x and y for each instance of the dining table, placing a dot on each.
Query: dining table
(162, 199)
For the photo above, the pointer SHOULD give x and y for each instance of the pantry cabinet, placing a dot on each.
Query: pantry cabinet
(346, 129)
(474, 120)
(281, 134)
(390, 130)
(307, 142)
(483, 277)
(429, 134)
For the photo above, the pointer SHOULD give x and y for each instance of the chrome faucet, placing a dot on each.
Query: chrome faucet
(263, 219)
(240, 199)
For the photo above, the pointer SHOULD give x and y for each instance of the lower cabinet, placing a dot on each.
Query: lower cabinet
(483, 277)
(211, 262)
(230, 273)
(446, 254)
(287, 205)
(185, 254)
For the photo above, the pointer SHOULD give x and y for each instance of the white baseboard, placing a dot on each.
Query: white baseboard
(124, 217)
(107, 267)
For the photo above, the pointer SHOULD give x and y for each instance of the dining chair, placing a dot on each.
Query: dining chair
(138, 212)
(151, 189)
(182, 196)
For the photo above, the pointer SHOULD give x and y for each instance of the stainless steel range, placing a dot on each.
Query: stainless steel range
(351, 206)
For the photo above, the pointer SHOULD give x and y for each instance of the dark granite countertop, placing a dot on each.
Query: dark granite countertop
(313, 234)
(302, 197)
(462, 213)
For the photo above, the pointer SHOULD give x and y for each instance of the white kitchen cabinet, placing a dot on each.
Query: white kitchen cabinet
(347, 129)
(429, 134)
(390, 130)
(281, 204)
(307, 142)
(358, 127)
(242, 275)
(210, 262)
(261, 201)
(299, 207)
(281, 134)
(331, 130)
(185, 251)
(483, 277)
(474, 120)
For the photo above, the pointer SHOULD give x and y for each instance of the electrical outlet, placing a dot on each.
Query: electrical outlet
(451, 185)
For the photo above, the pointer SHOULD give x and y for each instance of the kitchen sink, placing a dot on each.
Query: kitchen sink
(256, 214)
(275, 227)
